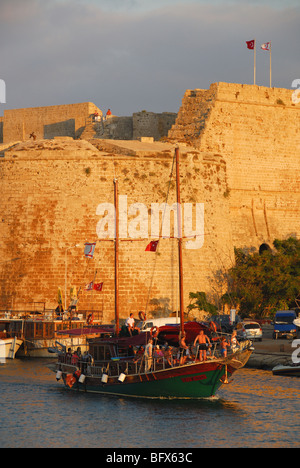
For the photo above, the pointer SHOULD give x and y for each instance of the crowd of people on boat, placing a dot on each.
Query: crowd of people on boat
(200, 349)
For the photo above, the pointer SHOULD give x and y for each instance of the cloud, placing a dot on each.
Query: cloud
(132, 58)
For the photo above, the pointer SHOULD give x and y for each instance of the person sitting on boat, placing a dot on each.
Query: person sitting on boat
(130, 324)
(184, 350)
(234, 342)
(203, 343)
(168, 355)
(158, 354)
(139, 354)
(223, 347)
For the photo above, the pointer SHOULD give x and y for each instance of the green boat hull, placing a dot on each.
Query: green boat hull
(192, 381)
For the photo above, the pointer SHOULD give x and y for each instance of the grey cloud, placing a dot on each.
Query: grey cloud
(55, 53)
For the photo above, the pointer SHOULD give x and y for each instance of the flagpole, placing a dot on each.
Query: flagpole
(181, 300)
(270, 66)
(116, 202)
(254, 62)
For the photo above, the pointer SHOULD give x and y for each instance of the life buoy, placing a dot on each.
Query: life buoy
(142, 316)
(90, 319)
(154, 332)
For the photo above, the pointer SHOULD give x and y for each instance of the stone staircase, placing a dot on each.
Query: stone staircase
(113, 128)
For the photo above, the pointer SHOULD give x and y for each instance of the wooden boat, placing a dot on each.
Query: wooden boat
(291, 370)
(112, 368)
(9, 346)
(40, 331)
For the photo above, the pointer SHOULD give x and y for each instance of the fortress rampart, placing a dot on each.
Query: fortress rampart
(257, 132)
(240, 150)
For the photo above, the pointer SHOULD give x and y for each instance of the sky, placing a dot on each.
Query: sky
(134, 55)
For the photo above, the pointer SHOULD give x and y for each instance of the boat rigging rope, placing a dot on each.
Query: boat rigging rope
(160, 235)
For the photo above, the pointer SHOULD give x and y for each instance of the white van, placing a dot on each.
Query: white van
(160, 322)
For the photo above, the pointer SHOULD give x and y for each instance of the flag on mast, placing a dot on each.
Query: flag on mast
(267, 46)
(152, 246)
(89, 248)
(250, 44)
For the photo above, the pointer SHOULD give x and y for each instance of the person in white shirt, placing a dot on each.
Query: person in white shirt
(130, 324)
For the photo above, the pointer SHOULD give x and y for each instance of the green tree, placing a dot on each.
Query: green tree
(264, 282)
(200, 302)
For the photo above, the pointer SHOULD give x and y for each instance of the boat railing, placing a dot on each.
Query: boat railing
(135, 365)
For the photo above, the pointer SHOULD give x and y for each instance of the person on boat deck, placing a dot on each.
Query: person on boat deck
(69, 356)
(184, 350)
(234, 342)
(203, 344)
(131, 352)
(168, 356)
(86, 361)
(158, 354)
(148, 355)
(74, 359)
(78, 351)
(223, 347)
(213, 329)
(130, 324)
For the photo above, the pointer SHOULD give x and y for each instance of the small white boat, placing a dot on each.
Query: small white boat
(9, 348)
(291, 370)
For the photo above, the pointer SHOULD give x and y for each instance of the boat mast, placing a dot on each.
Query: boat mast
(179, 220)
(116, 256)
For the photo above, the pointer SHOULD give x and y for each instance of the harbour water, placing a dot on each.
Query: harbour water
(256, 410)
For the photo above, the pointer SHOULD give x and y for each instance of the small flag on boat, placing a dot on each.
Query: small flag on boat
(265, 46)
(98, 286)
(250, 44)
(152, 246)
(89, 287)
(89, 249)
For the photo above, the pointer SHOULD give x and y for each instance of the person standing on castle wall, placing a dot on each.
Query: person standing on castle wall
(108, 114)
(96, 116)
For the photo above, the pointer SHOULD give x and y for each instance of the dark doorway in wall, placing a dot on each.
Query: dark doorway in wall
(264, 248)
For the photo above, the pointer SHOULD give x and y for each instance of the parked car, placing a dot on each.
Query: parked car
(223, 323)
(249, 331)
(284, 324)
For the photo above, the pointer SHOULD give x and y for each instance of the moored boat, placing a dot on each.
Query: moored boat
(291, 370)
(39, 331)
(9, 346)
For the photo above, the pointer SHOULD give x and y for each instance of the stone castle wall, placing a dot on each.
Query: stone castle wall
(47, 122)
(257, 131)
(76, 121)
(50, 193)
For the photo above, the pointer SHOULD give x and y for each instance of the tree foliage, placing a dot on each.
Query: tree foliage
(199, 301)
(261, 283)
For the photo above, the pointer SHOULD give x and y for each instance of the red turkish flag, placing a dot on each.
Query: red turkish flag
(250, 44)
(152, 246)
(98, 286)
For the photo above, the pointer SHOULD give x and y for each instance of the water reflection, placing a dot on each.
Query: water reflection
(256, 410)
